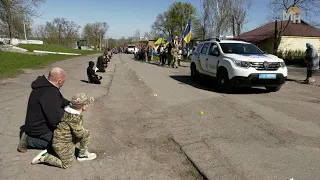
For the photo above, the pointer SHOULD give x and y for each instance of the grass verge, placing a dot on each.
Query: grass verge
(12, 64)
(55, 48)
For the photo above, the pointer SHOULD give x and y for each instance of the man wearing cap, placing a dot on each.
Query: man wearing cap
(44, 111)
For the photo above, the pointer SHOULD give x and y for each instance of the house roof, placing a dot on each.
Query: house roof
(266, 31)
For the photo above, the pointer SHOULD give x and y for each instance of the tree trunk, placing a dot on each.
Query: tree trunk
(275, 43)
(233, 26)
(238, 29)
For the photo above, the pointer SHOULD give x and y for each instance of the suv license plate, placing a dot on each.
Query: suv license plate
(267, 76)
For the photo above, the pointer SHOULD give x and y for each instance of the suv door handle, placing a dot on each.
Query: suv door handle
(207, 59)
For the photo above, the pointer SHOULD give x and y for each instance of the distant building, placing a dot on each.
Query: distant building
(294, 37)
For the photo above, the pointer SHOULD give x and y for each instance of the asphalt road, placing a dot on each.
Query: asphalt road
(147, 124)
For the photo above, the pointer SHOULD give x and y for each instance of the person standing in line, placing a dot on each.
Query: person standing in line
(169, 54)
(174, 56)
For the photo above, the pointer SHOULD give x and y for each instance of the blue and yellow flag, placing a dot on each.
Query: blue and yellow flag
(159, 41)
(187, 33)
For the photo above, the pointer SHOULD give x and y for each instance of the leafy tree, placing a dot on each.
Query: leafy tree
(173, 21)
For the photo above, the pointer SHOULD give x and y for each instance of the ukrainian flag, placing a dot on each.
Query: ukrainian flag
(155, 56)
(159, 41)
(187, 33)
(167, 41)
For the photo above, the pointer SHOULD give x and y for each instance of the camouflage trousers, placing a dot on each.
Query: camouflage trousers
(64, 152)
(174, 62)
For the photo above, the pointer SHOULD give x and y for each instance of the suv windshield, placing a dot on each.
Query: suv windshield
(240, 48)
(131, 46)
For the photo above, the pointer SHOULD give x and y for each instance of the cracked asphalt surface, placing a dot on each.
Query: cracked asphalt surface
(250, 134)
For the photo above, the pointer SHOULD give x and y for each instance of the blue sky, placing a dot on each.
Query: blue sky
(125, 16)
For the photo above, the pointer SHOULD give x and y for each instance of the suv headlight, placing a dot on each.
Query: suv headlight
(283, 64)
(244, 64)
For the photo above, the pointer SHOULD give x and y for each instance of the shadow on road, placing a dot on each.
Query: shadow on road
(85, 81)
(207, 84)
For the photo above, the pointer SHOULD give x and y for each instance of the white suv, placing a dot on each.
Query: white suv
(132, 49)
(238, 63)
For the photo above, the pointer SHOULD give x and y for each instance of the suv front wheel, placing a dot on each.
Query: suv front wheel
(223, 82)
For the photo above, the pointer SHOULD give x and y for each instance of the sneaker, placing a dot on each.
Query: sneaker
(40, 157)
(88, 156)
(22, 147)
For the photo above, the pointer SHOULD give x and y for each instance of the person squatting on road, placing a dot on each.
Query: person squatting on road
(92, 76)
(312, 60)
(44, 111)
(101, 64)
(69, 132)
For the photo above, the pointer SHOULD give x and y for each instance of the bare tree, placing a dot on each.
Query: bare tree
(137, 34)
(16, 12)
(238, 15)
(59, 31)
(309, 9)
(95, 32)
(222, 16)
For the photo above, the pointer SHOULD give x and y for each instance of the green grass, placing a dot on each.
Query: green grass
(56, 48)
(12, 64)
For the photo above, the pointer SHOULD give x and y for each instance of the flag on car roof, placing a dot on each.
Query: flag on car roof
(187, 33)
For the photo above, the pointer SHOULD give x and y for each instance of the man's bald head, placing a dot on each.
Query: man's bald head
(57, 76)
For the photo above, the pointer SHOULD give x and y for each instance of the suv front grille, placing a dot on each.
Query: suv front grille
(271, 66)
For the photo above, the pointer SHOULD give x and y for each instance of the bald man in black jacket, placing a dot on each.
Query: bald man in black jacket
(44, 112)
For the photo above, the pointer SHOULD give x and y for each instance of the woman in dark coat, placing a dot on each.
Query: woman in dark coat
(312, 60)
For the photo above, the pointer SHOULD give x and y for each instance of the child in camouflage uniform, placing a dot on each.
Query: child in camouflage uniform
(69, 132)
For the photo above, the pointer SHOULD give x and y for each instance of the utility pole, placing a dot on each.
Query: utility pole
(100, 42)
(24, 29)
(107, 42)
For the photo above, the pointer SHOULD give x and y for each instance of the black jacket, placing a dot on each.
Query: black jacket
(100, 64)
(90, 72)
(45, 108)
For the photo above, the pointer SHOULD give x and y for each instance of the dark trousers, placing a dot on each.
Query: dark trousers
(162, 58)
(96, 80)
(42, 142)
(310, 73)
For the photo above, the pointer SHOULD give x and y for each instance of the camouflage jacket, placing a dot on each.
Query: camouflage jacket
(174, 52)
(69, 128)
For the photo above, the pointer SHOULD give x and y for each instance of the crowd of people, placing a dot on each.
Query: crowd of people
(169, 54)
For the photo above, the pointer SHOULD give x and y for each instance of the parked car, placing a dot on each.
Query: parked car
(132, 49)
(238, 64)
